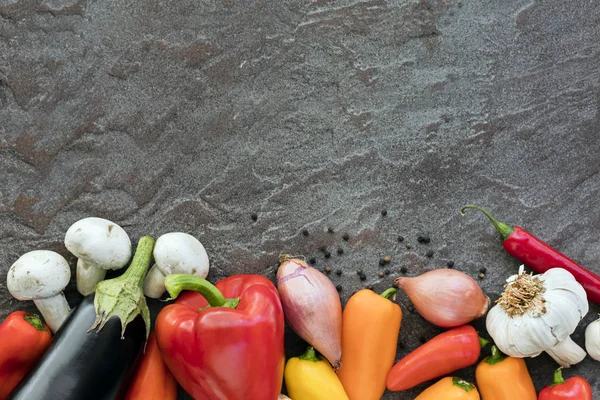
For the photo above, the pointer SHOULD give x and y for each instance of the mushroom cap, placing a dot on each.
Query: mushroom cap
(180, 253)
(99, 242)
(39, 274)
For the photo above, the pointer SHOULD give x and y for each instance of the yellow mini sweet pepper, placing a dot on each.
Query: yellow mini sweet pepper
(450, 388)
(309, 377)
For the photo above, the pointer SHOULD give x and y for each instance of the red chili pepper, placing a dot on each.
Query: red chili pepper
(24, 340)
(225, 342)
(540, 257)
(447, 352)
(575, 388)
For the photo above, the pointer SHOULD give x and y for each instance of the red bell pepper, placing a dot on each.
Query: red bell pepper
(226, 341)
(575, 388)
(23, 339)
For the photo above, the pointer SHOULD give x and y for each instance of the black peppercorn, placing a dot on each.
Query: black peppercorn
(483, 270)
(381, 262)
(305, 232)
(400, 239)
(423, 239)
(383, 213)
(340, 251)
(429, 253)
(327, 254)
(387, 272)
(346, 237)
(338, 272)
(403, 270)
(339, 288)
(450, 264)
(363, 277)
(254, 216)
(330, 230)
(312, 260)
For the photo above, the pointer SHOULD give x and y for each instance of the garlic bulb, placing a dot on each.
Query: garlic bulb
(592, 339)
(539, 313)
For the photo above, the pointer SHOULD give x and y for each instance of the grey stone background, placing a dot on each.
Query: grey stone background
(192, 115)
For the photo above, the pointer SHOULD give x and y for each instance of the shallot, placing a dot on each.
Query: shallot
(312, 307)
(445, 297)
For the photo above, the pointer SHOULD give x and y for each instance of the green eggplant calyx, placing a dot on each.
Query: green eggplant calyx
(466, 386)
(35, 321)
(123, 296)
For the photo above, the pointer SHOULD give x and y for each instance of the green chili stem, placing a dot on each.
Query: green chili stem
(391, 292)
(309, 355)
(496, 357)
(503, 229)
(558, 378)
(176, 283)
(466, 386)
(483, 342)
(35, 321)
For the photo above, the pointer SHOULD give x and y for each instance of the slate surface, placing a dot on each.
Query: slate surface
(191, 116)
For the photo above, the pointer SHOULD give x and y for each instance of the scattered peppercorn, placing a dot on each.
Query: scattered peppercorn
(483, 270)
(481, 276)
(410, 309)
(254, 216)
(429, 253)
(408, 245)
(327, 269)
(423, 239)
(359, 271)
(338, 272)
(339, 288)
(305, 232)
(381, 274)
(460, 4)
(363, 277)
(400, 238)
(422, 339)
(387, 259)
(403, 270)
(340, 251)
(313, 260)
(323, 248)
(381, 262)
(327, 254)
(450, 264)
(346, 237)
(330, 230)
(401, 345)
(387, 272)
(383, 213)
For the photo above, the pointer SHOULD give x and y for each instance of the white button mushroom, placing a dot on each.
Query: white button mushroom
(175, 253)
(41, 276)
(99, 245)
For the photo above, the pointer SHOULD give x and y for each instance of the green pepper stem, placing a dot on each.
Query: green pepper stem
(391, 292)
(483, 342)
(558, 378)
(176, 283)
(466, 386)
(503, 229)
(35, 321)
(496, 357)
(141, 261)
(309, 355)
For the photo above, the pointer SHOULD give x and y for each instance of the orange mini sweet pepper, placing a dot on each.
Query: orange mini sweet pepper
(370, 328)
(450, 388)
(500, 377)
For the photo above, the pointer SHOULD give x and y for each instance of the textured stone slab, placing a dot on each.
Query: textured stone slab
(191, 116)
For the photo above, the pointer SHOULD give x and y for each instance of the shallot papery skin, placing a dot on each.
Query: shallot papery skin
(445, 297)
(312, 307)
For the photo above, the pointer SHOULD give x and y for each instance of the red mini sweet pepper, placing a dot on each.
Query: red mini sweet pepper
(539, 256)
(224, 342)
(574, 388)
(23, 339)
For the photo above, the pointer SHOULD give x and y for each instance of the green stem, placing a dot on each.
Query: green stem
(176, 283)
(141, 261)
(35, 321)
(496, 357)
(466, 386)
(309, 355)
(483, 342)
(391, 292)
(558, 378)
(503, 229)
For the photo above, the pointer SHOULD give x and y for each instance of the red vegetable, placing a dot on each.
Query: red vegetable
(540, 257)
(447, 352)
(575, 388)
(23, 339)
(225, 342)
(152, 380)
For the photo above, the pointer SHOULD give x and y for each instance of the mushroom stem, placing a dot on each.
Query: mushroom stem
(154, 285)
(88, 277)
(567, 353)
(54, 309)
